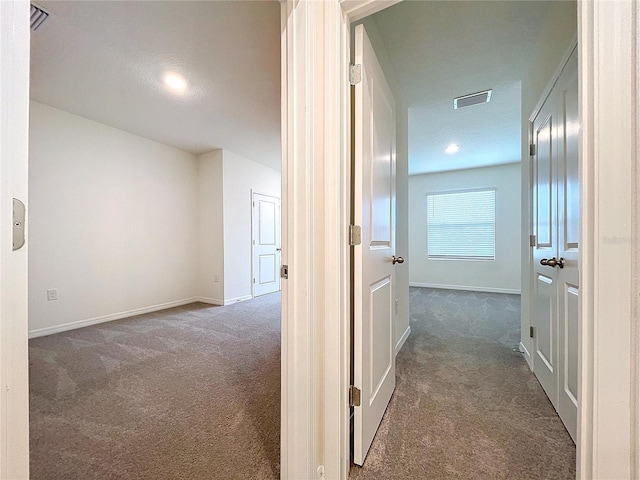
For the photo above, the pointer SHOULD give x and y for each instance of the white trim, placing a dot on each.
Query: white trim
(527, 355)
(14, 146)
(41, 332)
(243, 298)
(403, 339)
(356, 10)
(554, 79)
(608, 390)
(511, 291)
(210, 301)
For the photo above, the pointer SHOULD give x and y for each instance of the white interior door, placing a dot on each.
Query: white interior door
(556, 194)
(266, 244)
(374, 210)
(568, 243)
(545, 219)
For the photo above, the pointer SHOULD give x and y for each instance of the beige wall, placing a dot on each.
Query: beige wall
(210, 228)
(241, 177)
(112, 222)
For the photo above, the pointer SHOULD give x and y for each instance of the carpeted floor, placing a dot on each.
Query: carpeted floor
(194, 393)
(466, 406)
(187, 393)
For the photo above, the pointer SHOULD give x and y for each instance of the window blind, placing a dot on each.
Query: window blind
(462, 225)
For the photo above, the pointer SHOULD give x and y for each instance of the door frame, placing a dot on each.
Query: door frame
(14, 145)
(316, 147)
(253, 239)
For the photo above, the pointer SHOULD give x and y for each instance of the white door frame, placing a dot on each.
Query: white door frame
(14, 145)
(315, 341)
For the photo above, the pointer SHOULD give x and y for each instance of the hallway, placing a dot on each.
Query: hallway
(466, 405)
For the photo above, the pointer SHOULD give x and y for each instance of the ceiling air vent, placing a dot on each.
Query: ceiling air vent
(472, 99)
(38, 16)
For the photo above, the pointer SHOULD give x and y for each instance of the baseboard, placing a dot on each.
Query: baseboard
(210, 301)
(527, 355)
(41, 332)
(511, 291)
(403, 339)
(229, 301)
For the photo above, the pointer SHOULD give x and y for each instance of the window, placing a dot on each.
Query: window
(462, 225)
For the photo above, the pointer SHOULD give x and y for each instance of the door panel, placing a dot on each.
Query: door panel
(568, 242)
(545, 305)
(374, 211)
(556, 293)
(266, 244)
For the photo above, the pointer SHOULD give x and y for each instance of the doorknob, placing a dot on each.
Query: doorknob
(552, 262)
(397, 260)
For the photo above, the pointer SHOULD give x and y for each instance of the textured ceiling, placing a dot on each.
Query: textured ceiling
(441, 50)
(105, 60)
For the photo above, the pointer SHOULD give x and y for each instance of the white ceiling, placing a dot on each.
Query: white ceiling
(441, 50)
(105, 60)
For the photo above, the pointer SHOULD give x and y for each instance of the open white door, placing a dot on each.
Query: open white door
(266, 244)
(374, 210)
(556, 221)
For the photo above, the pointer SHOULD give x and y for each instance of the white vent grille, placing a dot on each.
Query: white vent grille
(472, 99)
(38, 16)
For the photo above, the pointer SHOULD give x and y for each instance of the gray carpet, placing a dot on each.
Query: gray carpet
(466, 406)
(194, 393)
(187, 393)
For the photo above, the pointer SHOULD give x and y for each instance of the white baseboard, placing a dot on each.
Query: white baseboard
(41, 332)
(229, 301)
(403, 339)
(512, 291)
(527, 355)
(210, 301)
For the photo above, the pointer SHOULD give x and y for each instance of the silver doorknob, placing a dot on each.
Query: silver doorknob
(552, 262)
(397, 260)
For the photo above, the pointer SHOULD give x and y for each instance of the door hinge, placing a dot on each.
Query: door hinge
(532, 240)
(354, 396)
(531, 331)
(355, 235)
(355, 74)
(532, 149)
(284, 271)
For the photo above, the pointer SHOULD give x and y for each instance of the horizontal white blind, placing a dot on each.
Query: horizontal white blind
(462, 225)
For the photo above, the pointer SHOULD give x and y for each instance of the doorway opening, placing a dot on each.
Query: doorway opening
(149, 356)
(464, 259)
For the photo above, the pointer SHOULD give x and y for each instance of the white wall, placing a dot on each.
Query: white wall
(112, 222)
(555, 36)
(500, 275)
(210, 228)
(241, 176)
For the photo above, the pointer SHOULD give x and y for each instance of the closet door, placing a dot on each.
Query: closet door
(556, 225)
(568, 238)
(545, 221)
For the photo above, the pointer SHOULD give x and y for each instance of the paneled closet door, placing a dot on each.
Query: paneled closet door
(556, 222)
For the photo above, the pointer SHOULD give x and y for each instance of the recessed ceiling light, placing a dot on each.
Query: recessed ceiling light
(451, 149)
(175, 82)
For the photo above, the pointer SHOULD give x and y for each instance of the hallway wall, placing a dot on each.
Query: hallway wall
(501, 275)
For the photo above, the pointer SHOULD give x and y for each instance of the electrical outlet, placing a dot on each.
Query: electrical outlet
(52, 294)
(397, 305)
(215, 279)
